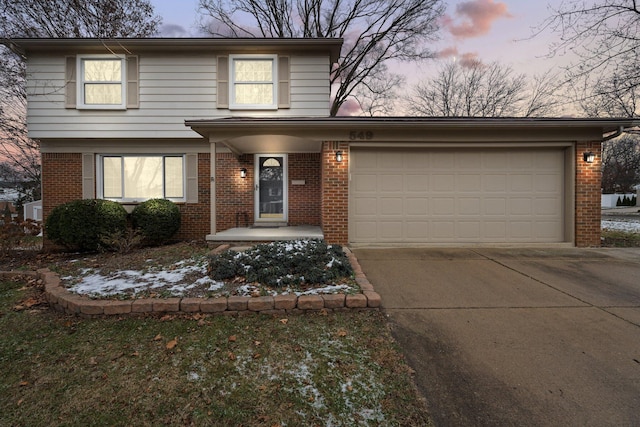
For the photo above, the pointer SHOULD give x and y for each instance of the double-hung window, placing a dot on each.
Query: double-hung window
(101, 82)
(254, 82)
(135, 178)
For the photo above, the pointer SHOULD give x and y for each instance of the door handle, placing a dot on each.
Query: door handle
(257, 187)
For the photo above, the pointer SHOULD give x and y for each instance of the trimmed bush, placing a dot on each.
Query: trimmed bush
(157, 219)
(81, 224)
(283, 263)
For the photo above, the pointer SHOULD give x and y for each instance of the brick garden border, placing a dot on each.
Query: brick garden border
(66, 302)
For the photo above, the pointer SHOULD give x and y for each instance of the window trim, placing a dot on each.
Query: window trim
(100, 177)
(80, 83)
(274, 82)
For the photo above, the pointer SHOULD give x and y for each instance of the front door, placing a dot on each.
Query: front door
(271, 188)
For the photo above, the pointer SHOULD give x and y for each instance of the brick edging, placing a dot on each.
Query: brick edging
(66, 302)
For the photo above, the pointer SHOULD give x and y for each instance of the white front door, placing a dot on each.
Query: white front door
(271, 188)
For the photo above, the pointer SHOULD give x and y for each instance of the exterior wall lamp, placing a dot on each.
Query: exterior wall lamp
(338, 156)
(589, 156)
(243, 173)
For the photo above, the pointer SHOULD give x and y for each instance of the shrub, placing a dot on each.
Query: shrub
(16, 234)
(81, 224)
(283, 263)
(157, 219)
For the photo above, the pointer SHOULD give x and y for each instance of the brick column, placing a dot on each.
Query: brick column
(335, 193)
(588, 190)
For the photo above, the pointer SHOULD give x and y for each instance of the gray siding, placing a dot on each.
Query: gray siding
(172, 89)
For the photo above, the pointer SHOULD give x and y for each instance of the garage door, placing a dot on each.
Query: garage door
(456, 195)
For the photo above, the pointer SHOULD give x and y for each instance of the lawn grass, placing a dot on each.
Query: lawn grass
(339, 369)
(620, 239)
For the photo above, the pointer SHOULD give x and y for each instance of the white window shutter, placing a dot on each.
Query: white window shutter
(133, 82)
(284, 82)
(70, 84)
(222, 73)
(88, 176)
(192, 177)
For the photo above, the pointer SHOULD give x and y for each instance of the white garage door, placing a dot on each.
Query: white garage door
(456, 195)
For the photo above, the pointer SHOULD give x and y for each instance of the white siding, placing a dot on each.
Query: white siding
(172, 89)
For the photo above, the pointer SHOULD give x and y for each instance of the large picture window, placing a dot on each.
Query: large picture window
(133, 178)
(101, 82)
(253, 82)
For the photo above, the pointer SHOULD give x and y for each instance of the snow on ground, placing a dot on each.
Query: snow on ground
(632, 225)
(174, 281)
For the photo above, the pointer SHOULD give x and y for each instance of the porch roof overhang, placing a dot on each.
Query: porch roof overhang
(253, 135)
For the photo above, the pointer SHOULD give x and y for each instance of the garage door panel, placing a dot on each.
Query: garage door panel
(417, 183)
(494, 183)
(390, 206)
(391, 183)
(521, 183)
(365, 183)
(366, 206)
(417, 206)
(456, 195)
(469, 206)
(442, 183)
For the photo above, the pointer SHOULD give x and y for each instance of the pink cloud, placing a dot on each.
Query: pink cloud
(469, 59)
(474, 18)
(350, 108)
(466, 59)
(447, 52)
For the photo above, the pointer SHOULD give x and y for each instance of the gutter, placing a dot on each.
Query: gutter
(615, 134)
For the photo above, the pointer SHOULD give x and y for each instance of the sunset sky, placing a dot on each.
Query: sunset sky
(488, 30)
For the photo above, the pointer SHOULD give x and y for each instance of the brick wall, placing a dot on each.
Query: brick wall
(304, 200)
(196, 217)
(62, 182)
(61, 179)
(588, 184)
(235, 195)
(335, 193)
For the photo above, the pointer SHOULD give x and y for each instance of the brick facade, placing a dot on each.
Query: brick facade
(335, 193)
(235, 195)
(304, 200)
(587, 203)
(196, 217)
(62, 182)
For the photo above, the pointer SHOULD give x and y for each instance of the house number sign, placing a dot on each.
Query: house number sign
(360, 135)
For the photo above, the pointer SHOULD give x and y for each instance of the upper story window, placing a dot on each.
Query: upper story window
(253, 82)
(101, 82)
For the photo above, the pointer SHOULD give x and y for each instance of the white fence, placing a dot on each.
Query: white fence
(611, 200)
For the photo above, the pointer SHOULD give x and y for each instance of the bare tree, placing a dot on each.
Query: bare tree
(52, 19)
(375, 31)
(479, 90)
(621, 164)
(605, 36)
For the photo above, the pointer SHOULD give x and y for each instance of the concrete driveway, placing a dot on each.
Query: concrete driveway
(515, 336)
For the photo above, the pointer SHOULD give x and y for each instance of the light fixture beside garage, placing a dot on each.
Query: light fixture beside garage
(243, 173)
(589, 156)
(338, 156)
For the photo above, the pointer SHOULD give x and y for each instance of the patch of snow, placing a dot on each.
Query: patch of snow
(134, 281)
(631, 226)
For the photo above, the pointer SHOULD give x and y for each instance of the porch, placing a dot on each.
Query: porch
(265, 234)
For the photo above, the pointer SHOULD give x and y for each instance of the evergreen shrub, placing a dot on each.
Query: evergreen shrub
(157, 219)
(81, 224)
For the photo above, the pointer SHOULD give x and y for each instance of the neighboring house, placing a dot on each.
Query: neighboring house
(236, 132)
(33, 210)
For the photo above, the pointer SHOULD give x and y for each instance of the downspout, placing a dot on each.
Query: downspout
(615, 134)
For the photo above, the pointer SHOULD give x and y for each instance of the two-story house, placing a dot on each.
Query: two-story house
(237, 132)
